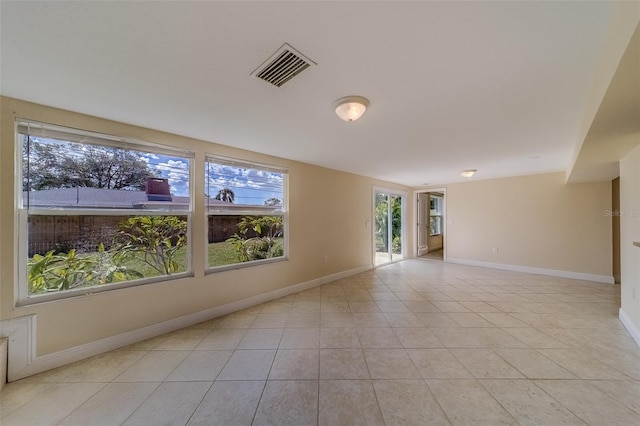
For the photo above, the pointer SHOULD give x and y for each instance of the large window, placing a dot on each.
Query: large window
(246, 212)
(99, 212)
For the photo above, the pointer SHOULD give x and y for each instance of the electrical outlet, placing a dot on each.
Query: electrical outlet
(494, 250)
(325, 259)
(633, 293)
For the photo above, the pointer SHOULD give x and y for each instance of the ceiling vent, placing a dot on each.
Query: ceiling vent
(282, 66)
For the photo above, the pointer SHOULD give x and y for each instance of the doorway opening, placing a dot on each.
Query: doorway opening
(431, 224)
(388, 230)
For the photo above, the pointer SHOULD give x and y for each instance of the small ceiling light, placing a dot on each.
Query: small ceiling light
(350, 108)
(468, 173)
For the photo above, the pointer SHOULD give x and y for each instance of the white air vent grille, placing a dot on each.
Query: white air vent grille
(282, 66)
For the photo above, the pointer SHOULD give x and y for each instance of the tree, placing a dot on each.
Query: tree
(271, 202)
(67, 165)
(382, 222)
(226, 195)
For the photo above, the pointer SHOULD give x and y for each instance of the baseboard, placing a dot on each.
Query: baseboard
(532, 270)
(21, 331)
(630, 326)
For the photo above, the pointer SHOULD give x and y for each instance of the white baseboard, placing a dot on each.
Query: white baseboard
(532, 270)
(21, 332)
(630, 326)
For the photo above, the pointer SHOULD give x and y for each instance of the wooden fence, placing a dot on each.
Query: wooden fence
(85, 233)
(63, 233)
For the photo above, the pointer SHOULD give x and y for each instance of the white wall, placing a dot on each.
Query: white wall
(534, 221)
(630, 232)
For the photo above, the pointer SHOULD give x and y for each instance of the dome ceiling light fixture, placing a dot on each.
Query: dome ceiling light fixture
(351, 108)
(468, 173)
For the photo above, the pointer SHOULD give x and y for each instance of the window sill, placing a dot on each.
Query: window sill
(241, 265)
(91, 291)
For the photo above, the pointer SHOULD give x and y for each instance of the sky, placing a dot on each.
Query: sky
(250, 185)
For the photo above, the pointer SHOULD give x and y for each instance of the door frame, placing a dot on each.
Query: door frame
(403, 218)
(444, 224)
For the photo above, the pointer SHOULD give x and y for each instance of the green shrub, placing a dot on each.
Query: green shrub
(65, 271)
(265, 245)
(157, 239)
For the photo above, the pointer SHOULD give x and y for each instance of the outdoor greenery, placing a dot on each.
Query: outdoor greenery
(139, 246)
(65, 271)
(226, 194)
(157, 239)
(382, 223)
(145, 246)
(266, 243)
(222, 253)
(50, 166)
(148, 246)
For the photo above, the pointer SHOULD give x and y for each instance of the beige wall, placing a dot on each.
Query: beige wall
(534, 221)
(630, 232)
(329, 211)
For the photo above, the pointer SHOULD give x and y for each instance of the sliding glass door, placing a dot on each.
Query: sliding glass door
(388, 229)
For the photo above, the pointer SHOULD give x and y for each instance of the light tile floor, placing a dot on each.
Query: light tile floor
(416, 342)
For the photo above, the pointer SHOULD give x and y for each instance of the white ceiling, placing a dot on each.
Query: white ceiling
(502, 87)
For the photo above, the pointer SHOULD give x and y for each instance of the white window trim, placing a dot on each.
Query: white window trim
(21, 293)
(267, 211)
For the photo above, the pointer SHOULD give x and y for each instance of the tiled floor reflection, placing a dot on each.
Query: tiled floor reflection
(419, 342)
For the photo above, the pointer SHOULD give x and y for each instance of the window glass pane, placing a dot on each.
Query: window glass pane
(71, 252)
(238, 239)
(99, 214)
(245, 204)
(435, 224)
(243, 186)
(62, 174)
(396, 227)
(388, 227)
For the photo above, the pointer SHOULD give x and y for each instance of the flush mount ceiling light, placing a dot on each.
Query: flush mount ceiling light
(468, 173)
(350, 108)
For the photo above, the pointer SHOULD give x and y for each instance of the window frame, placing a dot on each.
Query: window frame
(266, 211)
(24, 211)
(438, 216)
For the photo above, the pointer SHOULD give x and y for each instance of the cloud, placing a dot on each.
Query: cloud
(251, 186)
(177, 171)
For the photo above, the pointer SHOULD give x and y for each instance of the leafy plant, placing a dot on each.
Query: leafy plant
(111, 267)
(65, 271)
(158, 239)
(56, 272)
(266, 243)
